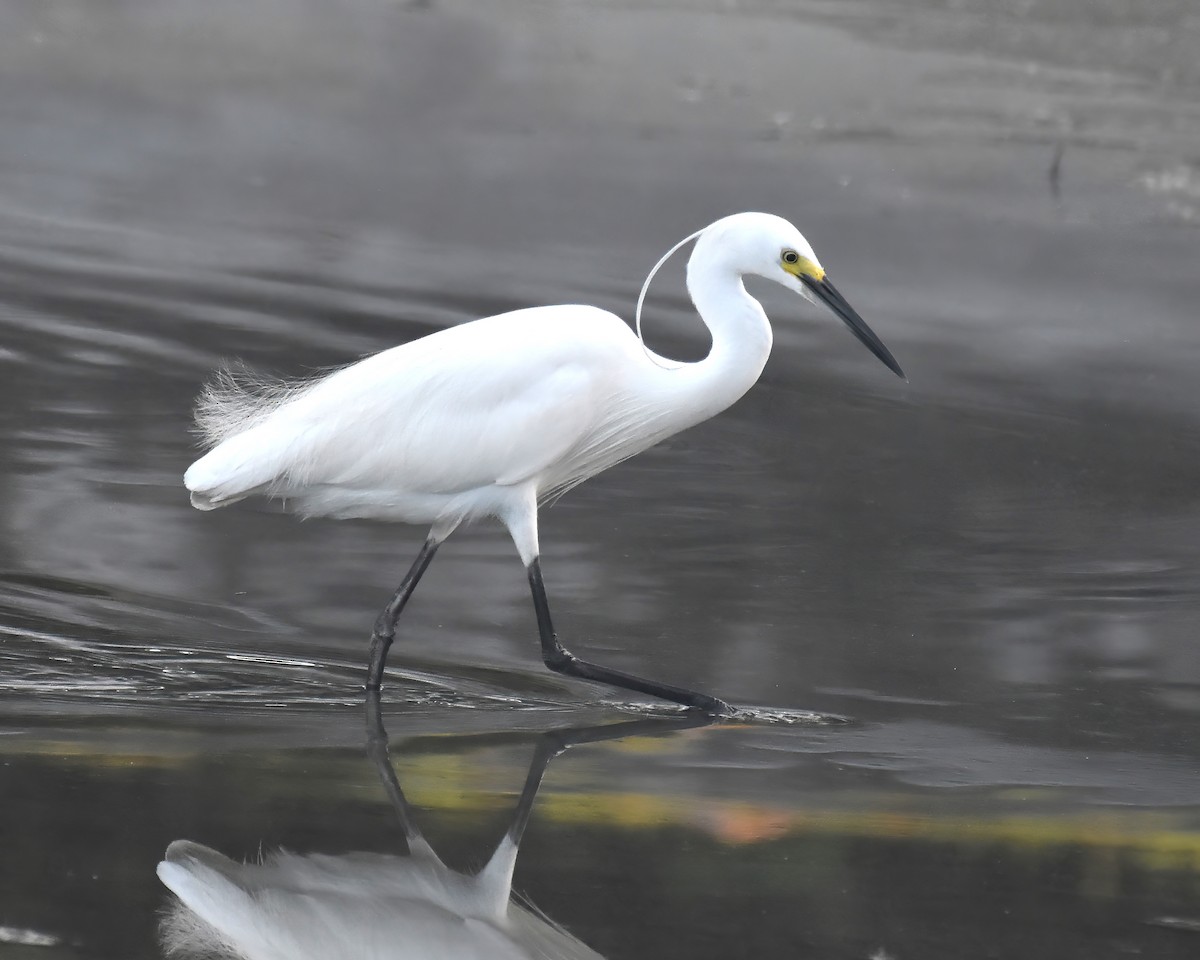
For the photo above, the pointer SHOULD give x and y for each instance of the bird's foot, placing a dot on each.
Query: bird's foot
(713, 706)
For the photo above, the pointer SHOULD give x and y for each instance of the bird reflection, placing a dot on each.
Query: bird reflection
(370, 905)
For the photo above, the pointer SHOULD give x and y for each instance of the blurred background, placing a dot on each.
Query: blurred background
(990, 569)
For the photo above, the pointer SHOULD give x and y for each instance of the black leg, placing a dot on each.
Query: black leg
(549, 745)
(554, 742)
(561, 660)
(385, 623)
(377, 751)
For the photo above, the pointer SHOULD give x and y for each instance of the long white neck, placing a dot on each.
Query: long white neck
(741, 338)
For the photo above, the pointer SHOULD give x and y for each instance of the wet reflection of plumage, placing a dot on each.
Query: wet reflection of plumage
(368, 905)
(358, 905)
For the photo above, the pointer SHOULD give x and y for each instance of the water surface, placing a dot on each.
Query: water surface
(989, 570)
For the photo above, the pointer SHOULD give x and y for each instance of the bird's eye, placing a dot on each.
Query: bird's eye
(791, 256)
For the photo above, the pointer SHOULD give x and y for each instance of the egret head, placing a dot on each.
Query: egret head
(768, 246)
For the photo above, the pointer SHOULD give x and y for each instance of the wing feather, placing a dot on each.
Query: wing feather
(497, 401)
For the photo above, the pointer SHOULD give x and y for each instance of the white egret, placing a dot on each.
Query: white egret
(492, 417)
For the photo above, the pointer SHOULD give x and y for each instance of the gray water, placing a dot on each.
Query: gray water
(988, 571)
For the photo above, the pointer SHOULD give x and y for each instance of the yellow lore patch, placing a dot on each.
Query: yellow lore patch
(803, 267)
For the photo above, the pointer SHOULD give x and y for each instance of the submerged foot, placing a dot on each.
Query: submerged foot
(713, 706)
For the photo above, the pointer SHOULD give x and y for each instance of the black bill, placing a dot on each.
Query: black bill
(828, 294)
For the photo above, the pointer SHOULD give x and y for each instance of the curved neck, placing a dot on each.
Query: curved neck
(741, 336)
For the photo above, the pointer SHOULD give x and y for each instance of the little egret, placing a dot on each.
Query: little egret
(493, 417)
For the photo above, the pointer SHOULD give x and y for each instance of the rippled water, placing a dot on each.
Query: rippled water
(988, 572)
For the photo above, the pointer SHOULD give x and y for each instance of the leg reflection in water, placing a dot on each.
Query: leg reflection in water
(368, 905)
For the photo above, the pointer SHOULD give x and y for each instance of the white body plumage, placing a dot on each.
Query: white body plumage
(456, 424)
(353, 907)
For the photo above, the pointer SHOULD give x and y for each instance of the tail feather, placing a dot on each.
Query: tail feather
(202, 501)
(216, 915)
(234, 414)
(240, 466)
